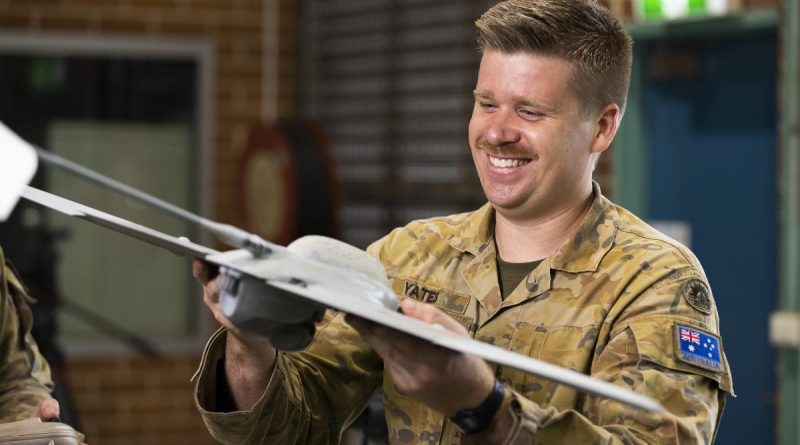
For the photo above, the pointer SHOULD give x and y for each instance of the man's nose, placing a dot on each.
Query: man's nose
(501, 129)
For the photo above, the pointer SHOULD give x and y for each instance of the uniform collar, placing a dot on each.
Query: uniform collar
(582, 252)
(589, 244)
(476, 232)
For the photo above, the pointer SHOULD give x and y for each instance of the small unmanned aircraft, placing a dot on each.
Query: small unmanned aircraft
(275, 291)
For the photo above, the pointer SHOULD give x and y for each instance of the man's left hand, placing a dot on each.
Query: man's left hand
(47, 409)
(444, 380)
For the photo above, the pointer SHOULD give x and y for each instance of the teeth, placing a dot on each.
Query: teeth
(507, 163)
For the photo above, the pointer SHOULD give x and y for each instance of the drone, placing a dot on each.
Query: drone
(274, 291)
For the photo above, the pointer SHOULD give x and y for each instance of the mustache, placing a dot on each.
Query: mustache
(514, 150)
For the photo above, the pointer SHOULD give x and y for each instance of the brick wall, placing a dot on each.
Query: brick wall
(235, 25)
(125, 400)
(134, 401)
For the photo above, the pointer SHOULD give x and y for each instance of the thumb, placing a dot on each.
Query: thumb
(430, 314)
(47, 409)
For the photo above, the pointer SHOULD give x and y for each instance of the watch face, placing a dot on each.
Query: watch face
(471, 421)
(468, 424)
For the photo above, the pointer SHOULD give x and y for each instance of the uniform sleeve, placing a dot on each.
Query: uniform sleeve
(311, 397)
(24, 373)
(644, 354)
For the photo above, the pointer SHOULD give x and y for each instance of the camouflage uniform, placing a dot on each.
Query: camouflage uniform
(607, 303)
(24, 374)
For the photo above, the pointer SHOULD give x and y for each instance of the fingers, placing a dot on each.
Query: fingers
(430, 314)
(199, 271)
(386, 342)
(211, 300)
(203, 272)
(211, 293)
(393, 345)
(47, 409)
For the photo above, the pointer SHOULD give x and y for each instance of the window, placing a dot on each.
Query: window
(134, 111)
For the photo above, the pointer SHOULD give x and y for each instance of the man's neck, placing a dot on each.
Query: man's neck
(521, 241)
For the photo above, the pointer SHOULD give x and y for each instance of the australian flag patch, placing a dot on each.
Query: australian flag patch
(698, 348)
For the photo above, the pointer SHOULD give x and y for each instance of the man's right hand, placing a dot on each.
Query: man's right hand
(249, 359)
(207, 276)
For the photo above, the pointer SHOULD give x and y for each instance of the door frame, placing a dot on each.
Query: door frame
(789, 200)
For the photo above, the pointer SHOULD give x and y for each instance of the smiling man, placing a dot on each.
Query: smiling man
(547, 268)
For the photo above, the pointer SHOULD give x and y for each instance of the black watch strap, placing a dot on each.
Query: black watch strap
(476, 420)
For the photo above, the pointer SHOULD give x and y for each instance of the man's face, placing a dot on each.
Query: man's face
(530, 142)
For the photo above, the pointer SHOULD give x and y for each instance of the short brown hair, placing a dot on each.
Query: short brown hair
(581, 31)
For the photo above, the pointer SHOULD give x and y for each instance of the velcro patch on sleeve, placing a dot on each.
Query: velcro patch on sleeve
(698, 348)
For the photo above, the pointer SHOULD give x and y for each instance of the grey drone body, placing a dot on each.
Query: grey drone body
(259, 307)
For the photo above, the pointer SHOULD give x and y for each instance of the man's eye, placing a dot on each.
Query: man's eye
(530, 114)
(486, 105)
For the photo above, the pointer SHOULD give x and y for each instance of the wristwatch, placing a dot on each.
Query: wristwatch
(476, 420)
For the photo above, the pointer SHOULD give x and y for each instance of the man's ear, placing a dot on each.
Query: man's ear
(606, 126)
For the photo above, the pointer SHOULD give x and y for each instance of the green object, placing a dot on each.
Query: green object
(697, 7)
(651, 10)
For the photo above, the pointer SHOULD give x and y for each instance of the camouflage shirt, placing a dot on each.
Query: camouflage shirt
(24, 374)
(613, 302)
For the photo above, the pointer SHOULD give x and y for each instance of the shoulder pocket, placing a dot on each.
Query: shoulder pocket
(680, 345)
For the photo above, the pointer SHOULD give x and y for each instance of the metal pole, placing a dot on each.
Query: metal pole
(228, 234)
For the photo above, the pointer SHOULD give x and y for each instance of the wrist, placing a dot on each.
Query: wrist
(245, 343)
(252, 354)
(480, 417)
(498, 431)
(248, 369)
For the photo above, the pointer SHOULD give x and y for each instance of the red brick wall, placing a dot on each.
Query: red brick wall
(235, 25)
(134, 401)
(146, 401)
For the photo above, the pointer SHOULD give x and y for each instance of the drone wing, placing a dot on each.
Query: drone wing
(16, 169)
(178, 246)
(437, 335)
(342, 298)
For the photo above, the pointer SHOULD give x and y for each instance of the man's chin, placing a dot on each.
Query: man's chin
(507, 207)
(518, 207)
